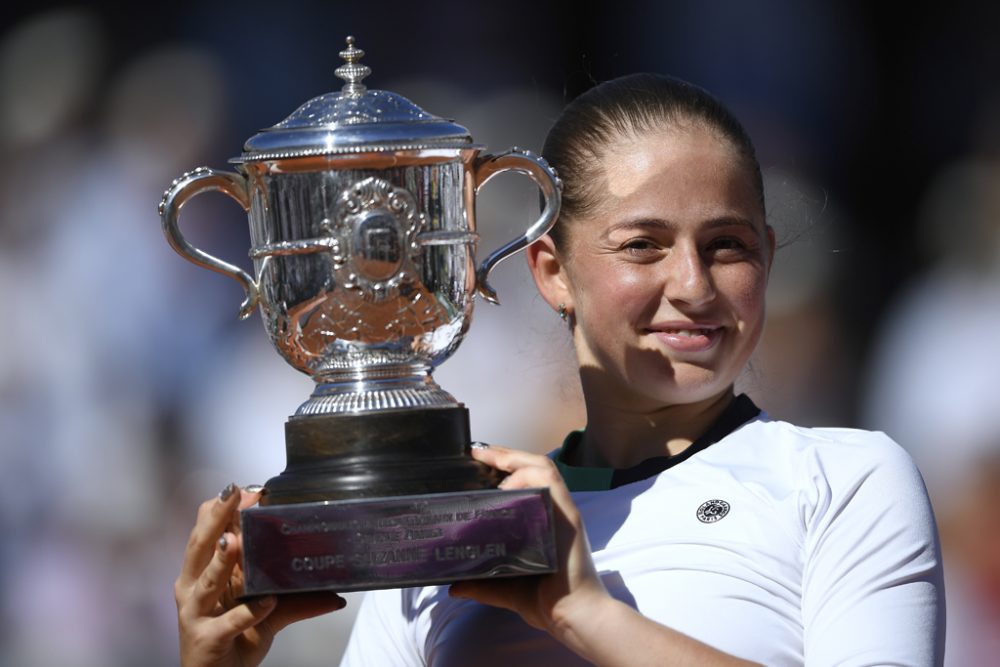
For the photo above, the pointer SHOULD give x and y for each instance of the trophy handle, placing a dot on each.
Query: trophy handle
(194, 183)
(537, 169)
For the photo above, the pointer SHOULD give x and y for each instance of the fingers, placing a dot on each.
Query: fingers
(213, 517)
(293, 608)
(507, 460)
(278, 613)
(241, 618)
(250, 495)
(527, 471)
(214, 580)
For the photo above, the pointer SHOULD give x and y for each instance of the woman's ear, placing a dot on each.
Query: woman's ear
(549, 271)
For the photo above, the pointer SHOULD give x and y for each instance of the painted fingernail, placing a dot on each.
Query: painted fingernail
(223, 543)
(265, 602)
(253, 488)
(480, 445)
(227, 492)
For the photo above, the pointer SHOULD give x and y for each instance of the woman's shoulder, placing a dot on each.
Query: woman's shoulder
(831, 465)
(833, 441)
(840, 456)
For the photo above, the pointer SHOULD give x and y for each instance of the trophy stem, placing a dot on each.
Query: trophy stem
(353, 391)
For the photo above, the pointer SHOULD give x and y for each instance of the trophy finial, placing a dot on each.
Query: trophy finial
(352, 72)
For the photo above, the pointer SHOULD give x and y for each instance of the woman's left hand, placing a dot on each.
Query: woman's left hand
(548, 602)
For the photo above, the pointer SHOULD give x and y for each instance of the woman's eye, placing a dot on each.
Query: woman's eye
(727, 244)
(639, 245)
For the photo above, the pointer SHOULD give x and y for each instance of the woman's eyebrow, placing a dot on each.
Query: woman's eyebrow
(660, 224)
(732, 220)
(649, 224)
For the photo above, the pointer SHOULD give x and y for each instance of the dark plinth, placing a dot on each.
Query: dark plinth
(351, 545)
(377, 455)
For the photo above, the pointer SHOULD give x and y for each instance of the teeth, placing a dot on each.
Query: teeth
(688, 332)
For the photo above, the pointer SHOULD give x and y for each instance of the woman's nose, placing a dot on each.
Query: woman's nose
(688, 278)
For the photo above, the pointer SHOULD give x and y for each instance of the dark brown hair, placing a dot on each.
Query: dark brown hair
(631, 105)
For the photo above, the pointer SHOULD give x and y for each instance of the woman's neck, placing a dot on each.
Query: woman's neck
(620, 437)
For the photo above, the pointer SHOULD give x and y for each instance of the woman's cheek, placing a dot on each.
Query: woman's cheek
(746, 288)
(614, 287)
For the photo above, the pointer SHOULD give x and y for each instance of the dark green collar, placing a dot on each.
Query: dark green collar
(579, 478)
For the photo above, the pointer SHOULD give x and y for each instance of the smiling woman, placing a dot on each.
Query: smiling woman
(664, 276)
(696, 530)
(692, 529)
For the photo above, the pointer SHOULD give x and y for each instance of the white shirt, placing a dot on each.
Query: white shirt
(827, 555)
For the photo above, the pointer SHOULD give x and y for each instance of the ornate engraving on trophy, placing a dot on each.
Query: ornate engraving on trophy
(349, 316)
(378, 223)
(382, 297)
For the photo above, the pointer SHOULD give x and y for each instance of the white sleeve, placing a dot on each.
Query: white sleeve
(872, 585)
(382, 636)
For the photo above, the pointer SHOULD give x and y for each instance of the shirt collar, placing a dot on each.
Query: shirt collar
(584, 478)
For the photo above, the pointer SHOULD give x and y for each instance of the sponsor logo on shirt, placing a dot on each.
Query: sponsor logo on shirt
(712, 510)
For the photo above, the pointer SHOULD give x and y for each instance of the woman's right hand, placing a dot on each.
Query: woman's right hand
(215, 629)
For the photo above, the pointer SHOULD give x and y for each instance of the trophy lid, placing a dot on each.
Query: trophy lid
(354, 120)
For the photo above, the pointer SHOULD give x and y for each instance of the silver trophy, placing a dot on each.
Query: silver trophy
(362, 222)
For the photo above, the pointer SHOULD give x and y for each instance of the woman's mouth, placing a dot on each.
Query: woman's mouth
(687, 338)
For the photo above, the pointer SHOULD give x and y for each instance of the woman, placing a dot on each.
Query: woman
(691, 528)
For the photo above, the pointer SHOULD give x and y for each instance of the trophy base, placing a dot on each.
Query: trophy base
(370, 543)
(377, 455)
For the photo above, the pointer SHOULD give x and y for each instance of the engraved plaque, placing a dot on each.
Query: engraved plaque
(388, 543)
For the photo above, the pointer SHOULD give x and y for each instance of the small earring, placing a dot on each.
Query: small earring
(563, 314)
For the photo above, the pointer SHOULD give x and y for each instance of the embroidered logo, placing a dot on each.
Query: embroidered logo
(712, 510)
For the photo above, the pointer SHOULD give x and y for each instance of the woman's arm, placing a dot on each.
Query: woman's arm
(215, 629)
(872, 591)
(572, 604)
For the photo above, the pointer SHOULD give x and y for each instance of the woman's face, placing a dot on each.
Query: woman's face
(666, 276)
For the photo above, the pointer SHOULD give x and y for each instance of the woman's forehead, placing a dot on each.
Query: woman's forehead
(683, 169)
(639, 156)
(671, 137)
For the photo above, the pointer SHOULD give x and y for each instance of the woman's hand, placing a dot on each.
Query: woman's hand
(572, 604)
(215, 629)
(549, 602)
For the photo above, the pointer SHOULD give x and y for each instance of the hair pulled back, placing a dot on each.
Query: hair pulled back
(625, 106)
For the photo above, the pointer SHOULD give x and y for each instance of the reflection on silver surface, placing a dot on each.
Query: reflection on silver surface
(360, 291)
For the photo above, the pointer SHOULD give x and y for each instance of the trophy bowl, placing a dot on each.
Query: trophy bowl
(361, 208)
